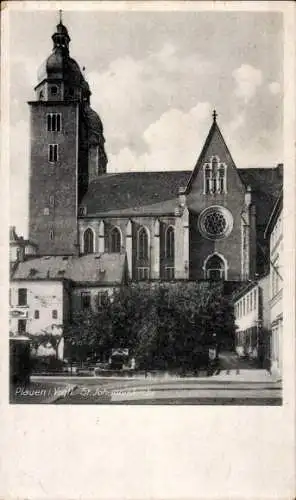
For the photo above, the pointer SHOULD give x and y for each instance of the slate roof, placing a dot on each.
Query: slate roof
(130, 192)
(266, 184)
(92, 268)
(156, 193)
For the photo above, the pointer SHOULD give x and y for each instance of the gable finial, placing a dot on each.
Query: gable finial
(61, 16)
(214, 115)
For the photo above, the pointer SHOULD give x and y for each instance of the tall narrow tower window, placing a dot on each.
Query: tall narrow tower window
(54, 122)
(53, 153)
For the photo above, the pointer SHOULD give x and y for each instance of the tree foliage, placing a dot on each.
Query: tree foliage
(163, 326)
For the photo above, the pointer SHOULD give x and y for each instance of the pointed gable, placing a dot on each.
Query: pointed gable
(215, 149)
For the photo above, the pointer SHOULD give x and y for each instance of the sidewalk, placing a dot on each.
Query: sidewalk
(245, 375)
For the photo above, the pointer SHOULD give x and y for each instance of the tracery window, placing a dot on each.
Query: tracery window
(142, 244)
(170, 243)
(115, 240)
(88, 240)
(214, 176)
(215, 222)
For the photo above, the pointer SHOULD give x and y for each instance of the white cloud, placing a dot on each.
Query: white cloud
(173, 142)
(247, 79)
(132, 92)
(274, 88)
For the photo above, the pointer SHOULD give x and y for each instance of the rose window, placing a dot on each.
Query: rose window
(215, 222)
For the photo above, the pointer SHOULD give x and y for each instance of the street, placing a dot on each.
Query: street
(236, 382)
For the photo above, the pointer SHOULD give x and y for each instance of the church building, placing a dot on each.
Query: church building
(92, 231)
(202, 224)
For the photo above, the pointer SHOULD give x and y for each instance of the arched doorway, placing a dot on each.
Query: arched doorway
(215, 268)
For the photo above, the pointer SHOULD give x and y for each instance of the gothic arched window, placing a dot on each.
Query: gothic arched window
(208, 178)
(142, 244)
(170, 243)
(115, 240)
(88, 240)
(221, 178)
(214, 176)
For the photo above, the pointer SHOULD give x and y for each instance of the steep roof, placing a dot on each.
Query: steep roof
(266, 184)
(92, 268)
(278, 206)
(134, 192)
(214, 135)
(155, 193)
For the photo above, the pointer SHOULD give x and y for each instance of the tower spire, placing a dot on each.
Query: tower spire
(214, 115)
(61, 16)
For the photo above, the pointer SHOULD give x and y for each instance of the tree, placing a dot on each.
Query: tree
(164, 326)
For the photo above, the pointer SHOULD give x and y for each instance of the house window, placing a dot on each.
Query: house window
(170, 243)
(214, 176)
(143, 273)
(46, 211)
(142, 244)
(36, 314)
(51, 201)
(54, 314)
(169, 273)
(51, 234)
(251, 301)
(21, 326)
(255, 299)
(22, 296)
(53, 155)
(88, 240)
(54, 122)
(85, 300)
(102, 299)
(115, 240)
(248, 302)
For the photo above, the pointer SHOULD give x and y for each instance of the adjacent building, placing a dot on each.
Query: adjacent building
(274, 234)
(44, 291)
(251, 309)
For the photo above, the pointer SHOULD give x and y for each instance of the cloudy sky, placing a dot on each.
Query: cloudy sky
(155, 79)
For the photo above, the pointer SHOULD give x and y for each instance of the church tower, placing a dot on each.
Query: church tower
(67, 149)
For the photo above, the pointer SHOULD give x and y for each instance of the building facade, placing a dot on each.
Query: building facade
(274, 234)
(46, 291)
(252, 319)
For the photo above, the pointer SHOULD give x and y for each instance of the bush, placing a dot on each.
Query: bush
(47, 364)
